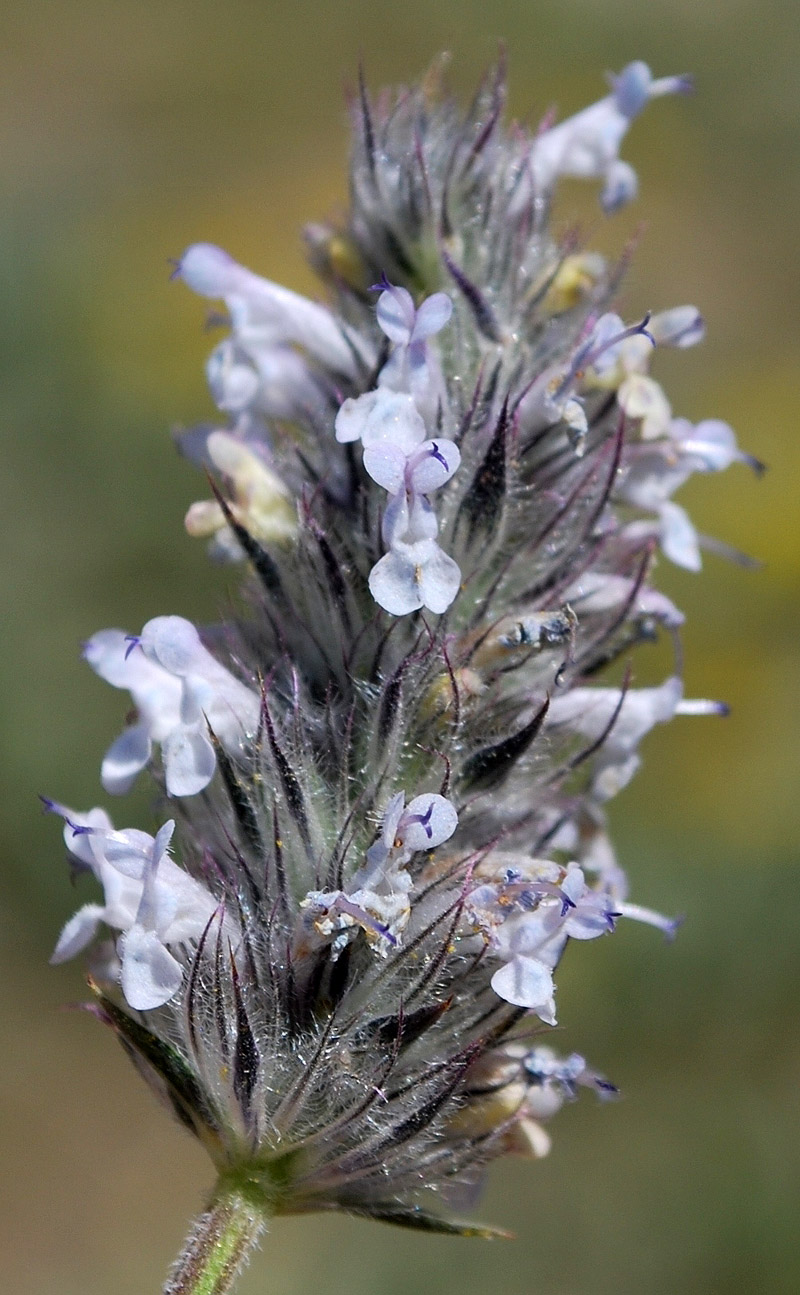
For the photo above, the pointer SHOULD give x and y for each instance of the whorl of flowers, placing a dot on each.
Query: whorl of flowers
(450, 485)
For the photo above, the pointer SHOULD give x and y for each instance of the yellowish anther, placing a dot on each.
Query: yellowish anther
(259, 499)
(481, 1114)
(440, 697)
(204, 519)
(345, 262)
(577, 277)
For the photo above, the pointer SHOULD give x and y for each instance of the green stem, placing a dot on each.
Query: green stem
(220, 1243)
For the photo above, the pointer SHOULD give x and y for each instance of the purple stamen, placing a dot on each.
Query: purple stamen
(134, 641)
(435, 453)
(176, 262)
(383, 286)
(423, 820)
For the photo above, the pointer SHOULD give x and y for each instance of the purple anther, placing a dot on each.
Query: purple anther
(134, 641)
(175, 262)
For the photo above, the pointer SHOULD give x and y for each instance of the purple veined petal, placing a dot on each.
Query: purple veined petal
(591, 919)
(393, 584)
(128, 851)
(526, 982)
(150, 975)
(432, 316)
(429, 820)
(631, 88)
(713, 443)
(433, 464)
(386, 464)
(353, 416)
(79, 931)
(208, 270)
(680, 326)
(125, 759)
(679, 537)
(396, 314)
(393, 419)
(439, 581)
(621, 187)
(189, 761)
(174, 644)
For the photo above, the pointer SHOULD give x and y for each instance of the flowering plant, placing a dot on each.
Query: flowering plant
(387, 776)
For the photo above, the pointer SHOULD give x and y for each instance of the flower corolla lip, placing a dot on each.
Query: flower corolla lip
(269, 379)
(179, 690)
(381, 417)
(587, 145)
(589, 711)
(526, 982)
(427, 468)
(267, 312)
(403, 323)
(147, 898)
(600, 591)
(412, 576)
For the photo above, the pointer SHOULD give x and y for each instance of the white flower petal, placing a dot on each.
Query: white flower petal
(386, 464)
(396, 314)
(394, 585)
(79, 931)
(125, 759)
(680, 326)
(679, 537)
(432, 315)
(353, 415)
(174, 643)
(150, 974)
(189, 761)
(439, 581)
(526, 982)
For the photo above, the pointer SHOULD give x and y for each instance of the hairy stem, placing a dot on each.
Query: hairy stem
(220, 1243)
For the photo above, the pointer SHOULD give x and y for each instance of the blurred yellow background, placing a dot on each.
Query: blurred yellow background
(130, 129)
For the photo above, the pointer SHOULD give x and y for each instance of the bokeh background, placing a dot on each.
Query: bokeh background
(130, 129)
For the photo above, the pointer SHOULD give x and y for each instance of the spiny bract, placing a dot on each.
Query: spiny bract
(449, 486)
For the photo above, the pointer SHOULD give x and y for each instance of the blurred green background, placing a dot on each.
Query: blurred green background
(132, 129)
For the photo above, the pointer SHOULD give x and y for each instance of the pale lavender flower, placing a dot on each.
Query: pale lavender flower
(180, 692)
(389, 771)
